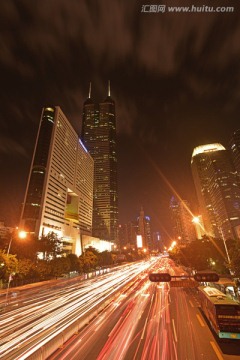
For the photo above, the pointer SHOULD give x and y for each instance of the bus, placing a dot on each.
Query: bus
(222, 312)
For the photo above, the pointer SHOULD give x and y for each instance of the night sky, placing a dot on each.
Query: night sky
(175, 79)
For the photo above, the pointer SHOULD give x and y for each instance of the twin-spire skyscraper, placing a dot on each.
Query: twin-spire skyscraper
(99, 137)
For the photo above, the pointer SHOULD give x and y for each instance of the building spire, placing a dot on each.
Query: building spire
(109, 88)
(90, 89)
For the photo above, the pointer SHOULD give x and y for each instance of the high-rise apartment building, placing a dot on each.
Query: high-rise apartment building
(217, 189)
(59, 194)
(182, 221)
(144, 229)
(99, 137)
(157, 242)
(127, 235)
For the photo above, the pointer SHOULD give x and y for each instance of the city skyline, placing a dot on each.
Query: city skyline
(174, 77)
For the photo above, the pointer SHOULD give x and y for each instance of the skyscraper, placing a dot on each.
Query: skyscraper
(144, 229)
(217, 190)
(99, 137)
(183, 228)
(59, 194)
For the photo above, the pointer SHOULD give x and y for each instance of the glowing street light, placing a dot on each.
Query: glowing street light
(173, 244)
(196, 220)
(198, 224)
(22, 234)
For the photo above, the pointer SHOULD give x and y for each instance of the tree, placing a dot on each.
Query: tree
(23, 248)
(105, 258)
(89, 261)
(26, 268)
(50, 245)
(201, 255)
(60, 266)
(43, 269)
(75, 263)
(8, 265)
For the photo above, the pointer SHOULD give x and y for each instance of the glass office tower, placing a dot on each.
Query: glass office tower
(218, 193)
(99, 137)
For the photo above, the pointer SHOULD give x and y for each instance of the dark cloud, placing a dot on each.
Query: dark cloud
(11, 147)
(175, 79)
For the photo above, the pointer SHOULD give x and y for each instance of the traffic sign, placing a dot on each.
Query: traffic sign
(184, 283)
(160, 277)
(206, 277)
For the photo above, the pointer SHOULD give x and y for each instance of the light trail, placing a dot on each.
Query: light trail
(52, 313)
(141, 324)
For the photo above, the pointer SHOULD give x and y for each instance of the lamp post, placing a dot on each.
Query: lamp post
(225, 246)
(10, 275)
(9, 245)
(21, 235)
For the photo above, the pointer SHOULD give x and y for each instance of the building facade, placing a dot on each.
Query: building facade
(59, 194)
(217, 189)
(144, 230)
(182, 222)
(99, 137)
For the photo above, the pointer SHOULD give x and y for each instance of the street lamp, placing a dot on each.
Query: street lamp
(226, 249)
(9, 245)
(173, 244)
(10, 242)
(21, 235)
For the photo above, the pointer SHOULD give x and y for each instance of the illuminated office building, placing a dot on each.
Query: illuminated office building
(218, 193)
(59, 194)
(182, 224)
(144, 229)
(127, 234)
(99, 137)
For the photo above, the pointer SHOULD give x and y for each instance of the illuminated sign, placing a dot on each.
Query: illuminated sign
(139, 241)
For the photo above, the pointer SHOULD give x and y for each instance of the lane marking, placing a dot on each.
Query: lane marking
(146, 321)
(191, 303)
(215, 348)
(200, 320)
(174, 330)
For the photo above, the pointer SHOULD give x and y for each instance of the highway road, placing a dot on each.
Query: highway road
(139, 320)
(31, 322)
(150, 321)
